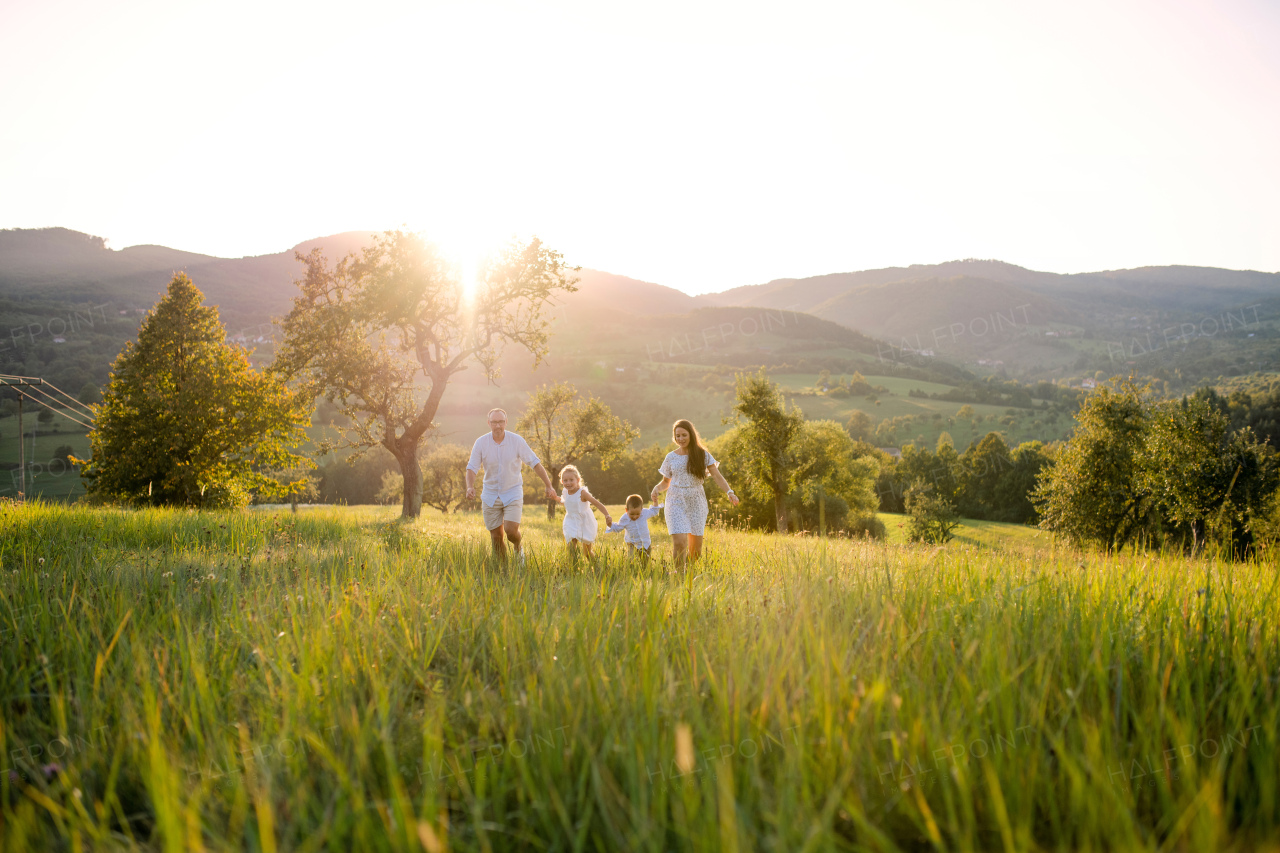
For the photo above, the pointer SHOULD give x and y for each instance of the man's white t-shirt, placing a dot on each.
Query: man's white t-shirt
(501, 463)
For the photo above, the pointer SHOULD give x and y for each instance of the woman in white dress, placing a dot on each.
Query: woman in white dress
(683, 472)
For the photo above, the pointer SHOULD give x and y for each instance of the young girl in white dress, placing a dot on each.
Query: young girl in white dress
(683, 471)
(579, 519)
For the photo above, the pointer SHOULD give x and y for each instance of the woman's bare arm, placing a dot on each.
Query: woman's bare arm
(720, 481)
(661, 487)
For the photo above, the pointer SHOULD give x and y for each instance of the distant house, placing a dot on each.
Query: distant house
(1089, 383)
(59, 340)
(892, 451)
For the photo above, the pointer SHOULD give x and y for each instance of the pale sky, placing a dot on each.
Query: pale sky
(702, 146)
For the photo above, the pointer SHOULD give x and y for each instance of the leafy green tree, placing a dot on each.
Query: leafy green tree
(1203, 477)
(563, 427)
(860, 426)
(382, 333)
(933, 518)
(296, 484)
(1094, 491)
(767, 431)
(444, 477)
(185, 420)
(983, 467)
(826, 462)
(1013, 493)
(89, 394)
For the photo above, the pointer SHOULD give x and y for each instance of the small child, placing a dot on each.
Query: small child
(579, 521)
(636, 525)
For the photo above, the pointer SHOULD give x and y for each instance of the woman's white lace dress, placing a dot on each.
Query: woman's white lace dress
(686, 498)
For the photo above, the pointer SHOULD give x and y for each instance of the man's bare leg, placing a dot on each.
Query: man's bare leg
(512, 529)
(499, 545)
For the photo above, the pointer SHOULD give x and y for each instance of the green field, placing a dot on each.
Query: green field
(337, 680)
(45, 478)
(1028, 424)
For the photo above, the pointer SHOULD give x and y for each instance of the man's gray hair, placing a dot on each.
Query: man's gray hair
(491, 411)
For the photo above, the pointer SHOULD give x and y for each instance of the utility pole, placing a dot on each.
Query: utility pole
(22, 458)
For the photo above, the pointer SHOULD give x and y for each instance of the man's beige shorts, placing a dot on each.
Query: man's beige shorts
(500, 512)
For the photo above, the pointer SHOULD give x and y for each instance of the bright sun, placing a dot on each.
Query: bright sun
(465, 252)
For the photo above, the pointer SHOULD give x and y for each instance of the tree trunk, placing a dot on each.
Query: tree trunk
(780, 511)
(411, 507)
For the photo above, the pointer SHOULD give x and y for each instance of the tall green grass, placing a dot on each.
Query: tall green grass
(337, 680)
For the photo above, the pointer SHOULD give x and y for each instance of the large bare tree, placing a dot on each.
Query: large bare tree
(381, 334)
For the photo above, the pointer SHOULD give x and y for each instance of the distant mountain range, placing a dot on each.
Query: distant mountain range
(974, 312)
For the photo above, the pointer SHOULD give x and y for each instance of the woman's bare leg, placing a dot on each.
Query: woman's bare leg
(679, 548)
(695, 547)
(586, 549)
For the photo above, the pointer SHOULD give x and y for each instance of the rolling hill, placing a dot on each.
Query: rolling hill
(1181, 324)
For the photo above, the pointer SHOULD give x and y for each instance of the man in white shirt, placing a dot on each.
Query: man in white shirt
(500, 454)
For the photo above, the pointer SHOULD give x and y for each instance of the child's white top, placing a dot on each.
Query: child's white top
(575, 508)
(636, 531)
(676, 467)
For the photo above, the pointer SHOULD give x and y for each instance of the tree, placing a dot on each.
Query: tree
(185, 420)
(860, 427)
(563, 427)
(1202, 476)
(933, 518)
(45, 417)
(768, 428)
(381, 334)
(444, 478)
(826, 462)
(1093, 491)
(444, 481)
(983, 467)
(89, 394)
(297, 484)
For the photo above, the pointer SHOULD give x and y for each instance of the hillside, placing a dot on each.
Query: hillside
(1182, 325)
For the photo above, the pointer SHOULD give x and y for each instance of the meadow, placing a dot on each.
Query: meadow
(336, 679)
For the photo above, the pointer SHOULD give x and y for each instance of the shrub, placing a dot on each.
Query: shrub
(867, 527)
(932, 518)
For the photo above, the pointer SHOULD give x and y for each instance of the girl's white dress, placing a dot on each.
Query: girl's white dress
(579, 520)
(686, 498)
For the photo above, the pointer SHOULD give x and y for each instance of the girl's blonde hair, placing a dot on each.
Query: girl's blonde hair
(574, 468)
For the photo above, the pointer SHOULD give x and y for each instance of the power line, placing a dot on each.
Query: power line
(32, 390)
(45, 384)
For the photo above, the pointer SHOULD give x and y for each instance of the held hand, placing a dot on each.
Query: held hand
(608, 520)
(471, 493)
(653, 496)
(733, 499)
(551, 494)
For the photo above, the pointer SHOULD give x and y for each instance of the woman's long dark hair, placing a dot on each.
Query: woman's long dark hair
(697, 453)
